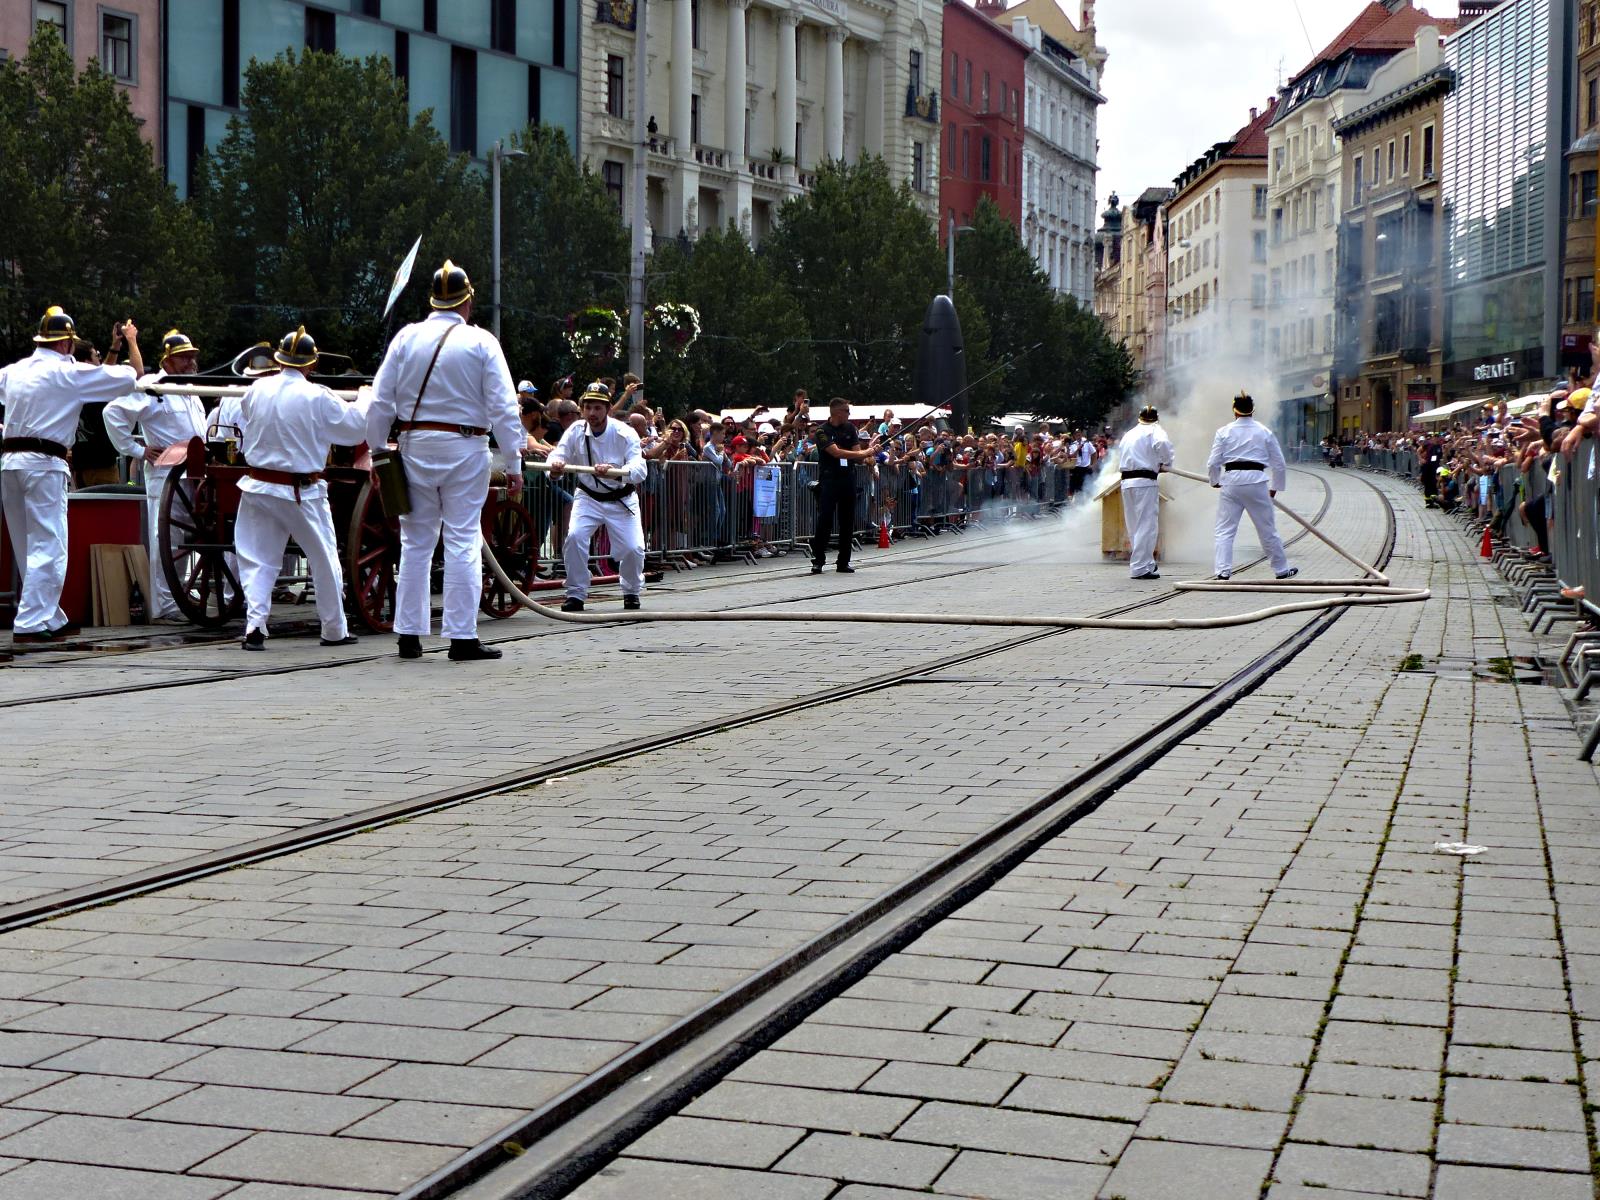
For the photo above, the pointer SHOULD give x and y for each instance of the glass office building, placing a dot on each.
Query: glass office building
(1502, 188)
(485, 67)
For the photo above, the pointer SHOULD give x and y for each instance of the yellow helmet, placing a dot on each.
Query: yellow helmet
(451, 288)
(174, 342)
(55, 326)
(296, 349)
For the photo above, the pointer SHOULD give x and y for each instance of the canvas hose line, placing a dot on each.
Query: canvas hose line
(1372, 588)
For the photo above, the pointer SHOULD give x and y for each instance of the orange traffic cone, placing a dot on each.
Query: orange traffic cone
(883, 535)
(1486, 549)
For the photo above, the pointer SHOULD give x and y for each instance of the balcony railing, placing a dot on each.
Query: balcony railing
(710, 156)
(614, 12)
(764, 169)
(922, 105)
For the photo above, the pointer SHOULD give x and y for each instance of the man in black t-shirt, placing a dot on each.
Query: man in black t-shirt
(838, 448)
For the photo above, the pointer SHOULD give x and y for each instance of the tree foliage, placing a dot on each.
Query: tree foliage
(563, 249)
(90, 223)
(318, 190)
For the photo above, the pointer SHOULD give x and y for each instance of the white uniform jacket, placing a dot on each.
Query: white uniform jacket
(1144, 448)
(290, 424)
(1247, 440)
(166, 420)
(618, 445)
(43, 396)
(470, 385)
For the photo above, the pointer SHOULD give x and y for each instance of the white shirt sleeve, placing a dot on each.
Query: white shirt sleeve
(1164, 452)
(633, 466)
(120, 416)
(564, 447)
(95, 384)
(1214, 463)
(344, 424)
(1275, 463)
(381, 413)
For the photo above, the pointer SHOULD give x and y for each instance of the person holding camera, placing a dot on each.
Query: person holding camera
(839, 448)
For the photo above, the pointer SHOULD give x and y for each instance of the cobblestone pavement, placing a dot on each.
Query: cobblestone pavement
(343, 1019)
(100, 787)
(1249, 973)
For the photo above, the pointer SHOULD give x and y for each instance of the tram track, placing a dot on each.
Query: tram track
(555, 1147)
(32, 911)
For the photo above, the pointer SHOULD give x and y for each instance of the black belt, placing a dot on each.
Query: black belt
(32, 445)
(442, 427)
(615, 496)
(1244, 464)
(1138, 474)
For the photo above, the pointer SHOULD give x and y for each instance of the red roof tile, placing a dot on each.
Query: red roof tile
(1376, 28)
(1251, 141)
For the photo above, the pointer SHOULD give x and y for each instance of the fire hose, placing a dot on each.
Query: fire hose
(1373, 587)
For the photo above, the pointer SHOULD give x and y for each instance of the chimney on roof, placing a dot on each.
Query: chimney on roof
(1253, 112)
(1086, 17)
(1395, 6)
(1427, 49)
(993, 9)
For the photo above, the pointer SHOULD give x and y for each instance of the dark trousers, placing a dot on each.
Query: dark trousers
(836, 506)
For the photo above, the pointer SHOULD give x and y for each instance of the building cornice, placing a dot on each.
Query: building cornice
(1440, 81)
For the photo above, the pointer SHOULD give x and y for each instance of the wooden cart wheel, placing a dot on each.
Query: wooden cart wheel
(372, 561)
(196, 543)
(508, 531)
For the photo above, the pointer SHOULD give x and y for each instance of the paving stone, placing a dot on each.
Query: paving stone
(1080, 1099)
(1513, 1103)
(1364, 1122)
(1214, 1126)
(927, 1081)
(102, 1095)
(1151, 1170)
(326, 1161)
(258, 1108)
(1356, 1170)
(1455, 1182)
(1545, 1150)
(866, 1160)
(71, 1181)
(1007, 1132)
(839, 1112)
(110, 1142)
(630, 1178)
(1018, 1177)
(1233, 1085)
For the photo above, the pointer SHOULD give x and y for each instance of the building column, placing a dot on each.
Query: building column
(873, 103)
(785, 115)
(733, 105)
(682, 81)
(833, 95)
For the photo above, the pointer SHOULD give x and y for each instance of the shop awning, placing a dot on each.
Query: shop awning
(1445, 411)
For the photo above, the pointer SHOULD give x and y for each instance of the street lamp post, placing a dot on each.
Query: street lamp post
(641, 140)
(495, 155)
(950, 257)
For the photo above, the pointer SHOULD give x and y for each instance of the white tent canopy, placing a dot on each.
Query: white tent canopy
(1445, 411)
(907, 414)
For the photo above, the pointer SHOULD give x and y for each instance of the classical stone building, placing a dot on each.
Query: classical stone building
(1217, 259)
(1305, 183)
(745, 99)
(1389, 284)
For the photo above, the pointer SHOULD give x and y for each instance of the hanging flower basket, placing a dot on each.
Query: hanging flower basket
(595, 334)
(674, 328)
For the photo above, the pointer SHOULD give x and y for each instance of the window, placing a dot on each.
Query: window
(1205, 208)
(1405, 156)
(919, 182)
(558, 35)
(955, 154)
(1331, 212)
(1258, 337)
(1356, 181)
(1277, 286)
(1585, 300)
(1587, 191)
(694, 119)
(1258, 246)
(1005, 161)
(1592, 96)
(1258, 201)
(799, 50)
(1277, 226)
(954, 88)
(195, 124)
(535, 93)
(966, 154)
(116, 46)
(694, 25)
(370, 8)
(616, 86)
(985, 96)
(1390, 176)
(969, 82)
(1258, 291)
(1427, 151)
(54, 13)
(916, 72)
(1327, 268)
(320, 31)
(985, 149)
(798, 129)
(611, 175)
(430, 15)
(463, 99)
(1386, 323)
(402, 59)
(503, 26)
(1372, 179)
(230, 53)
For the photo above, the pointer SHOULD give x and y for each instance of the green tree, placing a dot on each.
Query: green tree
(754, 345)
(1056, 359)
(564, 249)
(89, 220)
(861, 260)
(317, 191)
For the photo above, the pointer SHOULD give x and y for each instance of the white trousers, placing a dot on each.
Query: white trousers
(1232, 503)
(449, 480)
(1141, 512)
(260, 535)
(623, 528)
(161, 602)
(35, 505)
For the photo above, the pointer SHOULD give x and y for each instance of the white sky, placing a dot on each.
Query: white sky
(1184, 74)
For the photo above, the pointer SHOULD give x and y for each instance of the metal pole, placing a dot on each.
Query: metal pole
(950, 261)
(494, 171)
(640, 153)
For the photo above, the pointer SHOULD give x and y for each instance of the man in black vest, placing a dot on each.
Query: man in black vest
(838, 447)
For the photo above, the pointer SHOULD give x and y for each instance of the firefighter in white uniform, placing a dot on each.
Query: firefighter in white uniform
(444, 384)
(290, 424)
(1144, 451)
(609, 498)
(43, 396)
(1247, 464)
(165, 421)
